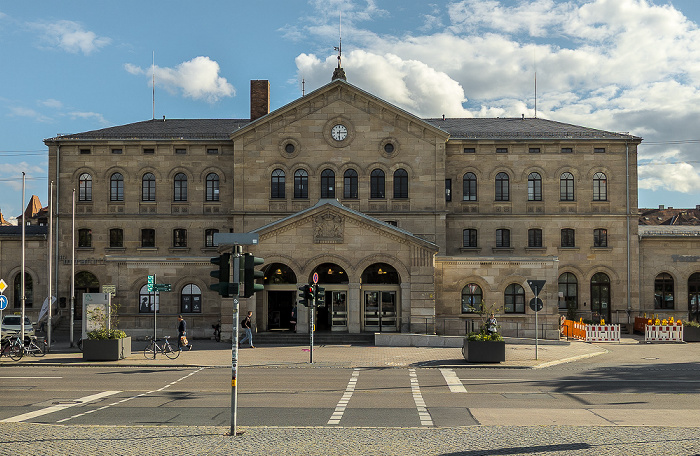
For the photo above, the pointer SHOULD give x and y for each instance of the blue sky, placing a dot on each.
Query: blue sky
(619, 65)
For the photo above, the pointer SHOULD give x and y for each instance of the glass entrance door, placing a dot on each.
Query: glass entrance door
(339, 308)
(380, 312)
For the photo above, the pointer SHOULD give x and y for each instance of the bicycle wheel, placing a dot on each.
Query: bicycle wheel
(169, 352)
(150, 351)
(37, 349)
(16, 352)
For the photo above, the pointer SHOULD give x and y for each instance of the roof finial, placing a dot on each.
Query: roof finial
(339, 73)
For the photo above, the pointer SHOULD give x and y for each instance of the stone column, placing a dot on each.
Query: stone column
(354, 308)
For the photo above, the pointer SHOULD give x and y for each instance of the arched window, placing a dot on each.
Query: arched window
(694, 297)
(147, 300)
(212, 187)
(116, 187)
(568, 292)
(191, 299)
(472, 298)
(327, 183)
(301, 184)
(180, 187)
(148, 187)
(663, 291)
(534, 187)
(600, 187)
(566, 187)
(376, 184)
(85, 187)
(28, 290)
(600, 296)
(502, 187)
(400, 184)
(469, 187)
(277, 184)
(514, 299)
(350, 184)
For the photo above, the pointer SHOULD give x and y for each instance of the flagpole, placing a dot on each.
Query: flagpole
(22, 284)
(48, 256)
(72, 277)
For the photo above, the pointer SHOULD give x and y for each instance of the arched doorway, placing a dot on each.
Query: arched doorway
(600, 296)
(280, 285)
(85, 282)
(333, 315)
(381, 292)
(694, 297)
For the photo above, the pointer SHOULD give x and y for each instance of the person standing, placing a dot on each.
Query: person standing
(247, 325)
(182, 334)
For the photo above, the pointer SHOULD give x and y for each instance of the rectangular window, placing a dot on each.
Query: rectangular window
(148, 238)
(534, 150)
(117, 151)
(534, 238)
(567, 238)
(209, 237)
(502, 239)
(181, 151)
(212, 151)
(392, 222)
(469, 238)
(567, 150)
(600, 237)
(149, 151)
(84, 151)
(116, 238)
(469, 150)
(85, 237)
(599, 150)
(180, 237)
(501, 150)
(448, 189)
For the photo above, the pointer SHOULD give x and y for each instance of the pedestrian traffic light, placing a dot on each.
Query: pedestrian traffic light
(306, 294)
(320, 296)
(249, 274)
(223, 287)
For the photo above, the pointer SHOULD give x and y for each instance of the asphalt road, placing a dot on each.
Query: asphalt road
(586, 393)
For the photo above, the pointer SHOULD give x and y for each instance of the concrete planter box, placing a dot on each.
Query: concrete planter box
(477, 351)
(106, 349)
(691, 334)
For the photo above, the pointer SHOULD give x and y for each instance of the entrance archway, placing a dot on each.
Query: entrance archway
(85, 282)
(333, 316)
(280, 286)
(381, 298)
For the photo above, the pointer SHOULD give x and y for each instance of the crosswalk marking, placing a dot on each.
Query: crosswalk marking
(423, 414)
(58, 407)
(343, 402)
(453, 382)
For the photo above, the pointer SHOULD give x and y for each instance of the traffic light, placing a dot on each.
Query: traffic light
(249, 274)
(224, 288)
(320, 296)
(306, 294)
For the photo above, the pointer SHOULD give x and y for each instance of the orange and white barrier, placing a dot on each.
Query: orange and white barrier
(602, 333)
(663, 333)
(574, 329)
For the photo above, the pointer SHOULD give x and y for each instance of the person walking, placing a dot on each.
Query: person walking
(182, 334)
(247, 325)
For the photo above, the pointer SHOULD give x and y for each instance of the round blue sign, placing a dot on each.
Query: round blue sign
(315, 277)
(3, 302)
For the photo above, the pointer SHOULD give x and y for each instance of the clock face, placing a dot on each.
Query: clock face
(339, 132)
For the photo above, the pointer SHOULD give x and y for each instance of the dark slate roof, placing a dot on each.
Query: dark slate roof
(515, 128)
(670, 217)
(31, 230)
(185, 129)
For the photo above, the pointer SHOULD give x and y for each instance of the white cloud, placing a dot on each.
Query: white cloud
(678, 177)
(88, 116)
(27, 112)
(70, 36)
(51, 103)
(197, 79)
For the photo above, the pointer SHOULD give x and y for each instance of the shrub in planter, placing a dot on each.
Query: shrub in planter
(691, 331)
(103, 343)
(486, 346)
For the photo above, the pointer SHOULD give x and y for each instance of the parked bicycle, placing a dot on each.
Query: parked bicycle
(34, 347)
(12, 346)
(160, 346)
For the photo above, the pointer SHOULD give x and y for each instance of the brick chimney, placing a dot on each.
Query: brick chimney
(259, 98)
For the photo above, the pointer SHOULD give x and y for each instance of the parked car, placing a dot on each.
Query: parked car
(10, 323)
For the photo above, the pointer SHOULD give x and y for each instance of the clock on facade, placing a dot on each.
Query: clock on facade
(339, 132)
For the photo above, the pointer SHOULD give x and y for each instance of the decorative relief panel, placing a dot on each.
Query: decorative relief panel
(328, 228)
(278, 206)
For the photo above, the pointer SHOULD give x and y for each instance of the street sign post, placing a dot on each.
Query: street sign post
(3, 302)
(150, 283)
(161, 287)
(536, 304)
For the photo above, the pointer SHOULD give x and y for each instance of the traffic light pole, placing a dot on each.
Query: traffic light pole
(234, 339)
(312, 311)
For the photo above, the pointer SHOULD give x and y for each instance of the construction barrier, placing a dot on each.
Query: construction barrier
(574, 329)
(663, 333)
(602, 333)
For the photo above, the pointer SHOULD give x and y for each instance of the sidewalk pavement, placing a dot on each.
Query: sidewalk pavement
(520, 353)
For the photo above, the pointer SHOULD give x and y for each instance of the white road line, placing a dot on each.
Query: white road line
(343, 402)
(423, 414)
(130, 398)
(453, 382)
(26, 378)
(58, 407)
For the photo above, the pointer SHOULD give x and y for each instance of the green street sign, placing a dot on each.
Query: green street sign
(161, 287)
(151, 282)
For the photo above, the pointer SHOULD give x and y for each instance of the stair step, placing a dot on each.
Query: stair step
(270, 338)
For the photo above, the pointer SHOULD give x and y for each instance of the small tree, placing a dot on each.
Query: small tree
(484, 334)
(105, 330)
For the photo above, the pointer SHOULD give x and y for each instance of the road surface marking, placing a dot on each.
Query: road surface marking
(130, 398)
(343, 402)
(26, 378)
(423, 414)
(453, 382)
(58, 407)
